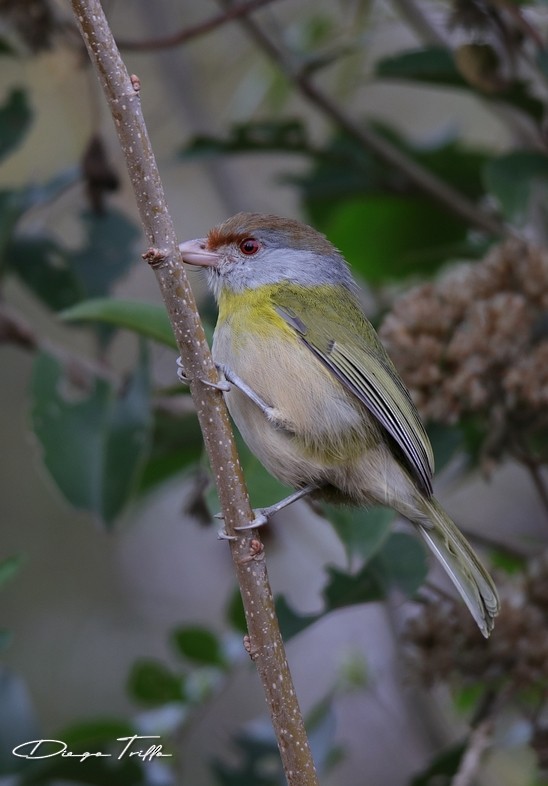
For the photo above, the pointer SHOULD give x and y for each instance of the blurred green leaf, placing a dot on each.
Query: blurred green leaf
(386, 236)
(434, 65)
(446, 441)
(511, 564)
(400, 563)
(292, 623)
(442, 768)
(43, 265)
(107, 253)
(15, 119)
(9, 567)
(12, 205)
(346, 589)
(6, 637)
(94, 442)
(266, 136)
(234, 612)
(363, 531)
(511, 178)
(258, 761)
(147, 319)
(152, 683)
(431, 64)
(199, 645)
(177, 445)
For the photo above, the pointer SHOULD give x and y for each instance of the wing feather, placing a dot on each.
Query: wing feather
(359, 361)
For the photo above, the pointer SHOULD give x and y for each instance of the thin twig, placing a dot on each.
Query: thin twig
(420, 21)
(265, 642)
(430, 184)
(189, 33)
(479, 741)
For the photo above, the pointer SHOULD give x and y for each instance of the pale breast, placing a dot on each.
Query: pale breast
(324, 424)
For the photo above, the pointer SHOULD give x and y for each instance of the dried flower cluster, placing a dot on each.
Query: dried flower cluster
(442, 639)
(476, 343)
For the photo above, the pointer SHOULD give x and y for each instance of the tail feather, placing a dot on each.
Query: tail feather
(460, 562)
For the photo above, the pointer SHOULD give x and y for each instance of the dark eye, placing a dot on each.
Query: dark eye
(249, 246)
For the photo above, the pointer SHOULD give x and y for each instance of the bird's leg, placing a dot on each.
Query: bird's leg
(263, 514)
(221, 385)
(244, 388)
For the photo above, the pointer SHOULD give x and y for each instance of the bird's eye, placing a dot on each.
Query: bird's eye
(249, 246)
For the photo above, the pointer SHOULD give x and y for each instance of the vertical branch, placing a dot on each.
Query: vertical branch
(264, 643)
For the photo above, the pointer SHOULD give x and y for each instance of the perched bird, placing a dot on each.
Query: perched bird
(312, 390)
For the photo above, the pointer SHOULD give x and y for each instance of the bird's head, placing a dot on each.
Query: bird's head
(251, 250)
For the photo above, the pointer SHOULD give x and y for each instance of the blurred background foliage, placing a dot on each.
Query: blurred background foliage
(444, 222)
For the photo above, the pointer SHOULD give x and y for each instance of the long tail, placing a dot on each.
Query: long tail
(461, 563)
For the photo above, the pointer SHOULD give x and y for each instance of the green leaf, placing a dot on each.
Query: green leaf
(292, 623)
(94, 442)
(286, 136)
(12, 205)
(345, 589)
(177, 446)
(127, 441)
(363, 531)
(15, 119)
(9, 567)
(6, 637)
(511, 178)
(147, 319)
(400, 563)
(432, 64)
(446, 441)
(443, 767)
(107, 253)
(152, 683)
(199, 645)
(234, 612)
(42, 264)
(387, 236)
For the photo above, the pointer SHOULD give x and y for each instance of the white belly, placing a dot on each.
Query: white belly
(323, 421)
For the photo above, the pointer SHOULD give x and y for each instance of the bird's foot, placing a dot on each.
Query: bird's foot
(221, 385)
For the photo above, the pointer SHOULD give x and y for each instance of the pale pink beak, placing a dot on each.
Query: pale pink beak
(194, 252)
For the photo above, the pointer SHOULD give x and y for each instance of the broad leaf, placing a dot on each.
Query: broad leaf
(15, 118)
(199, 645)
(107, 253)
(434, 65)
(511, 179)
(363, 531)
(147, 319)
(153, 684)
(177, 445)
(43, 265)
(9, 567)
(286, 136)
(93, 442)
(386, 236)
(292, 623)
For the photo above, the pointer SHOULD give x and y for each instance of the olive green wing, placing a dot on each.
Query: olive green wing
(346, 343)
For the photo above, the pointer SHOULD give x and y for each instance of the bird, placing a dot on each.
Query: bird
(313, 391)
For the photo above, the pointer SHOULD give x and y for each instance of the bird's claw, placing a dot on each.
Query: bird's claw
(222, 385)
(259, 520)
